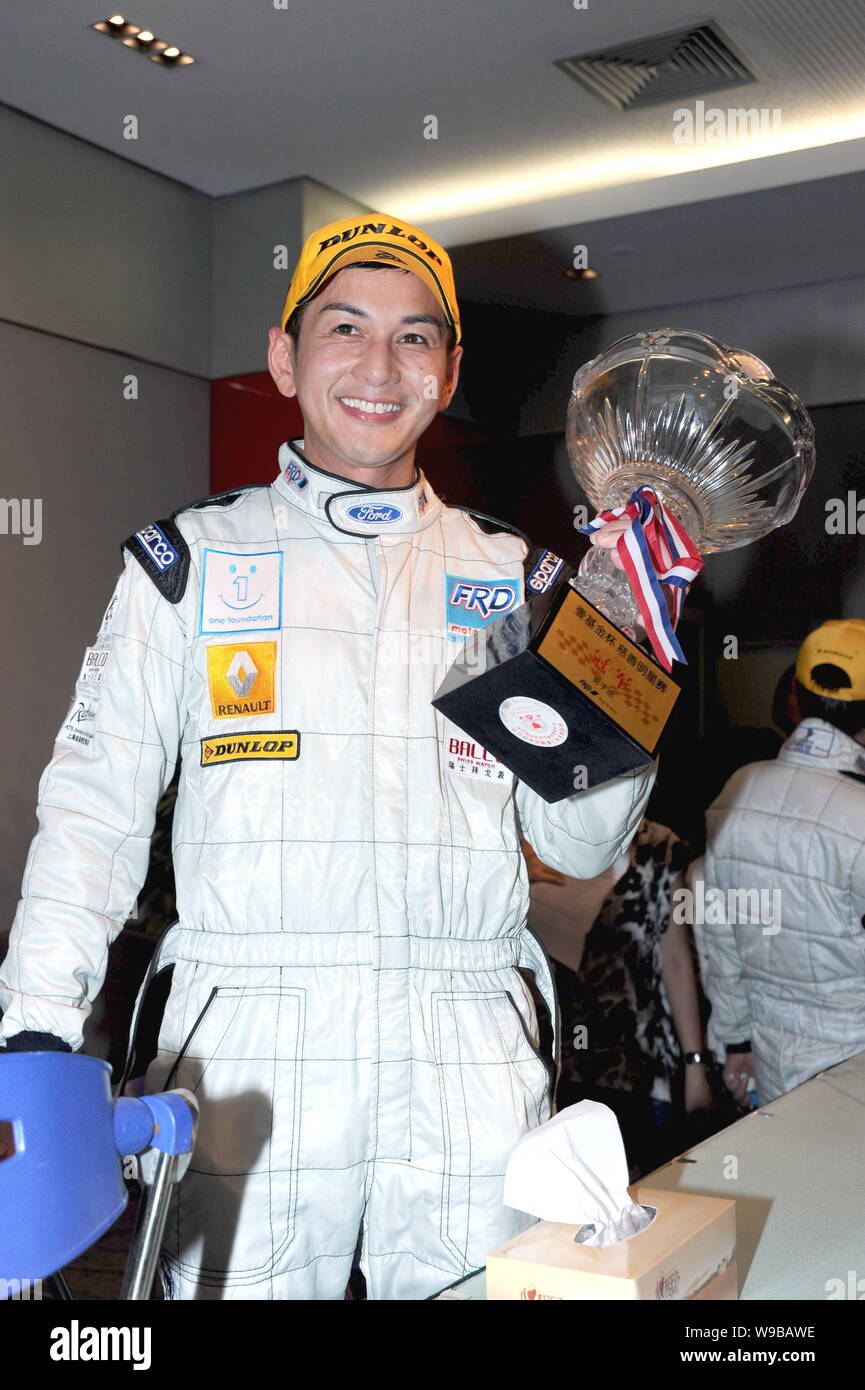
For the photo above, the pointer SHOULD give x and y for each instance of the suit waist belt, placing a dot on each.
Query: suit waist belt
(342, 948)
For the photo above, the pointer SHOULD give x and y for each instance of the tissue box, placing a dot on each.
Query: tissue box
(688, 1252)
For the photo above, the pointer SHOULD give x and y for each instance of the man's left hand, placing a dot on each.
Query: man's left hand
(607, 537)
(738, 1072)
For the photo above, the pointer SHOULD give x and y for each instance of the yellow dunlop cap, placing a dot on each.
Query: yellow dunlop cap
(379, 238)
(840, 642)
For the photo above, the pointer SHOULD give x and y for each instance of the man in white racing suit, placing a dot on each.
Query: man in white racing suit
(346, 1001)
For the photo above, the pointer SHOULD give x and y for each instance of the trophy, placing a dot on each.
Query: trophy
(725, 448)
(697, 448)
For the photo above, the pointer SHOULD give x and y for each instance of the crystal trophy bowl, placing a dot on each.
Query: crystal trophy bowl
(698, 449)
(725, 447)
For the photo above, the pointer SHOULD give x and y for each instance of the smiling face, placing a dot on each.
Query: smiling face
(370, 370)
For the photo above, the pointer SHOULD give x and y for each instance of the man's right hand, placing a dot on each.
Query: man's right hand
(738, 1072)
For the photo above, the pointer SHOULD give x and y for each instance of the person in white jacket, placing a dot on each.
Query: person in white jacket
(782, 906)
(346, 999)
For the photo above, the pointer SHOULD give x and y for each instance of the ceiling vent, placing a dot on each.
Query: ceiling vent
(664, 68)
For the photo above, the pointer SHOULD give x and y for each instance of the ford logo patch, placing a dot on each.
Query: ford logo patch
(371, 514)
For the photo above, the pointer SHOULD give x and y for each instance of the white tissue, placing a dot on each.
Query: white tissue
(573, 1170)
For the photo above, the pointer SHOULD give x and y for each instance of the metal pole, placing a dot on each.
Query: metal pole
(149, 1228)
(59, 1289)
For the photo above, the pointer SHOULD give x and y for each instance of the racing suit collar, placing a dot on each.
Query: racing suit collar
(822, 745)
(349, 506)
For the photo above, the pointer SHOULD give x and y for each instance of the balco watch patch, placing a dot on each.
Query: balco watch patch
(241, 679)
(281, 746)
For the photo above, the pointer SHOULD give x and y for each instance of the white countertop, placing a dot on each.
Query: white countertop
(796, 1169)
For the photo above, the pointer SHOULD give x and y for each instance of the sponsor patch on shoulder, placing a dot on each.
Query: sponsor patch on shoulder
(93, 665)
(157, 545)
(241, 679)
(241, 593)
(79, 727)
(473, 603)
(108, 620)
(544, 571)
(281, 746)
(163, 553)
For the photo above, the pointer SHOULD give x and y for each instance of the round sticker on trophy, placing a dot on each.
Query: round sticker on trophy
(532, 721)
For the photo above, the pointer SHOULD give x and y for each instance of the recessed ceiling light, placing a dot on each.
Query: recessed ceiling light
(116, 27)
(172, 57)
(143, 41)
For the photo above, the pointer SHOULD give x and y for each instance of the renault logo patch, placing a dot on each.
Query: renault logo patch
(241, 679)
(284, 745)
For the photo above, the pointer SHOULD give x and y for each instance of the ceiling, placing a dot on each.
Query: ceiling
(527, 163)
(339, 90)
(800, 234)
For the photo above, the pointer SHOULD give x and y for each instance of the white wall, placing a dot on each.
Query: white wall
(96, 249)
(248, 289)
(812, 336)
(107, 270)
(104, 272)
(102, 467)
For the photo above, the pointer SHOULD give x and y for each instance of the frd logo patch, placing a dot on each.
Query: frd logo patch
(241, 679)
(473, 603)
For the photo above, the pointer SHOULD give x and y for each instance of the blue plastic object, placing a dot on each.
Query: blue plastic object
(133, 1125)
(61, 1187)
(163, 1121)
(173, 1123)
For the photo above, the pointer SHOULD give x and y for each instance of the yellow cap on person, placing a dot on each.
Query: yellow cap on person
(839, 642)
(384, 240)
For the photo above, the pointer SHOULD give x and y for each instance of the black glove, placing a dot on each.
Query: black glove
(36, 1042)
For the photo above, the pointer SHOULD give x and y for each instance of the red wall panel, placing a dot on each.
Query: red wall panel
(249, 419)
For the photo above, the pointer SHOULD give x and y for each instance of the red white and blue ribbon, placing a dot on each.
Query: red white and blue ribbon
(654, 550)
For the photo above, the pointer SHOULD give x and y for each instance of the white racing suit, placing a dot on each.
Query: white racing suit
(784, 961)
(346, 1002)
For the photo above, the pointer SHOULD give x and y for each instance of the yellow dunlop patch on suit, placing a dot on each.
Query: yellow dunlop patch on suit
(241, 679)
(285, 744)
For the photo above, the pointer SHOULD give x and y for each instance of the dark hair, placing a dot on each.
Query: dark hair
(846, 715)
(785, 690)
(292, 328)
